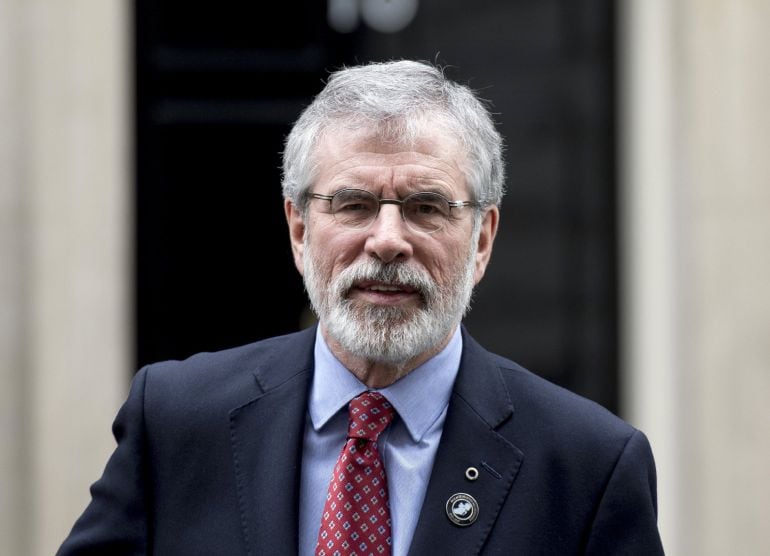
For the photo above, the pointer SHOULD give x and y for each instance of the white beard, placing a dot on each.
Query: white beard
(392, 335)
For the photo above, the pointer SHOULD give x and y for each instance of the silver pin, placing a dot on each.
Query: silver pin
(462, 509)
(471, 473)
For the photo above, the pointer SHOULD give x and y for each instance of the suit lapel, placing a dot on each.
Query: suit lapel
(479, 405)
(268, 467)
(266, 435)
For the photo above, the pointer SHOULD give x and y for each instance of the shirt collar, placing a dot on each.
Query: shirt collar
(334, 386)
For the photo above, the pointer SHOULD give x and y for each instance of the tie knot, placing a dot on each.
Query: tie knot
(370, 414)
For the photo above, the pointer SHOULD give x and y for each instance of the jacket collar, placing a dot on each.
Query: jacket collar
(267, 433)
(479, 406)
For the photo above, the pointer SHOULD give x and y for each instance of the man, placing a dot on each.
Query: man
(386, 428)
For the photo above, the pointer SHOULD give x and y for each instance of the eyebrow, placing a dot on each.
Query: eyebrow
(411, 185)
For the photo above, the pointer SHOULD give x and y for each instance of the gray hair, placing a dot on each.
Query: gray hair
(400, 101)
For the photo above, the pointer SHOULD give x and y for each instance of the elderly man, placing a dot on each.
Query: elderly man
(385, 429)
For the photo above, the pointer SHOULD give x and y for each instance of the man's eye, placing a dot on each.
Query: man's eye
(353, 207)
(426, 209)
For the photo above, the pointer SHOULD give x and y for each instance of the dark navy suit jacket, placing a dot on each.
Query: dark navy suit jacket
(209, 451)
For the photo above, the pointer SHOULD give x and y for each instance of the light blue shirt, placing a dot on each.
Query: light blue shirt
(408, 446)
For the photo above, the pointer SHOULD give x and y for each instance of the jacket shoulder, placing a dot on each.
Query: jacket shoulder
(230, 376)
(548, 414)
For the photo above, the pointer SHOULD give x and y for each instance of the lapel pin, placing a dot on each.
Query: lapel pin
(462, 509)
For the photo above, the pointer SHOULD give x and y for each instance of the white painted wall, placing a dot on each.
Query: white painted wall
(695, 128)
(64, 253)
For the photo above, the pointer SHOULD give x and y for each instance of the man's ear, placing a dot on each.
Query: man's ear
(296, 233)
(486, 238)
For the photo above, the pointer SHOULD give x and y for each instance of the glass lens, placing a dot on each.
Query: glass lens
(354, 207)
(426, 211)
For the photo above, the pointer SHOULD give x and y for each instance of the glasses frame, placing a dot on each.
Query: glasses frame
(400, 202)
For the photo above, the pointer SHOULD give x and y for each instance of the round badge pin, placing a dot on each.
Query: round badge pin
(462, 509)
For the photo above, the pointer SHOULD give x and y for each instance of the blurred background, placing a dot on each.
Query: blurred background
(141, 218)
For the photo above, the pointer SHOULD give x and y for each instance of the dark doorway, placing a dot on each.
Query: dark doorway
(218, 88)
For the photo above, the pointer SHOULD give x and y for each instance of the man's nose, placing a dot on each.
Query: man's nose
(388, 236)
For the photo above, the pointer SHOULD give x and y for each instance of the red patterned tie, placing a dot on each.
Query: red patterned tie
(356, 516)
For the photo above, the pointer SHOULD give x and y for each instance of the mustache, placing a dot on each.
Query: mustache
(401, 274)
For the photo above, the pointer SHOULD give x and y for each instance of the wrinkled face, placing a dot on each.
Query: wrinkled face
(387, 292)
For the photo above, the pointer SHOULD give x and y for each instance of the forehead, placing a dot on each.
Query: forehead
(432, 159)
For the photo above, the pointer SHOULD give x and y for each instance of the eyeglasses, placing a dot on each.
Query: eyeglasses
(423, 211)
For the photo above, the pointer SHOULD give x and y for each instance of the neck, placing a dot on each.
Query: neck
(379, 374)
